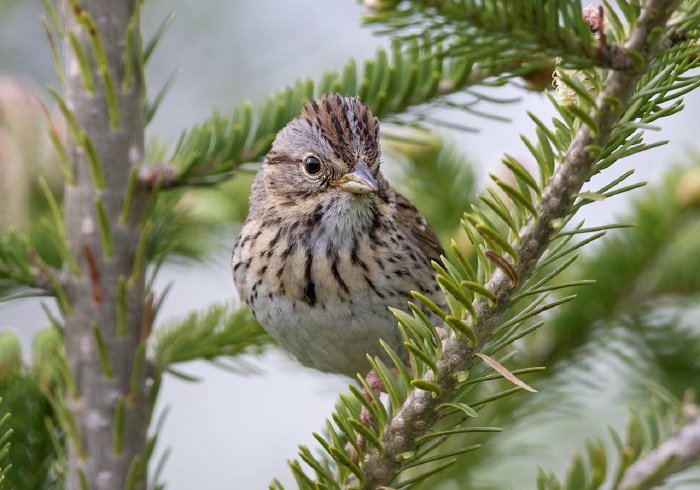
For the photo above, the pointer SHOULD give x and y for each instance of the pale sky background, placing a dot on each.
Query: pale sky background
(230, 431)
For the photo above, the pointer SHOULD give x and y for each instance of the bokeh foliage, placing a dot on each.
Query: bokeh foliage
(439, 49)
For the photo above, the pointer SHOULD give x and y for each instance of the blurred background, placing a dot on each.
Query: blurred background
(237, 431)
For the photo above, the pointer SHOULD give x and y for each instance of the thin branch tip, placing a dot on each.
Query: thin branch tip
(678, 452)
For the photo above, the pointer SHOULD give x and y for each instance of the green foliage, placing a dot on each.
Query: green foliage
(5, 434)
(418, 72)
(29, 258)
(646, 262)
(498, 243)
(222, 331)
(16, 270)
(629, 323)
(431, 166)
(439, 48)
(177, 229)
(31, 454)
(504, 33)
(27, 451)
(433, 455)
(645, 431)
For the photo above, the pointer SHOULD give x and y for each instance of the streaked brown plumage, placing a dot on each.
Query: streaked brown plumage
(328, 244)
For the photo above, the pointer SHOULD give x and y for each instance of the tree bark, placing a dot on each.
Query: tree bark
(103, 455)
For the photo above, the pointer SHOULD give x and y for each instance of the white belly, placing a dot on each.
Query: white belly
(333, 337)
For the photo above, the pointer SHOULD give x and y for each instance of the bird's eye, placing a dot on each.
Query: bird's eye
(312, 165)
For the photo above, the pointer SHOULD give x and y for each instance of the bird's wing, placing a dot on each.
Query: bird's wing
(414, 222)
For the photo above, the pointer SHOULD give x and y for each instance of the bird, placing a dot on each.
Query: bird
(328, 245)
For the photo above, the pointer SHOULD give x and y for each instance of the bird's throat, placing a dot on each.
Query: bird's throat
(344, 218)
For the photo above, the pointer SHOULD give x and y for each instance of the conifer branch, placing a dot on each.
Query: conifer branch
(659, 441)
(415, 74)
(644, 263)
(21, 267)
(420, 409)
(218, 333)
(529, 24)
(677, 453)
(40, 283)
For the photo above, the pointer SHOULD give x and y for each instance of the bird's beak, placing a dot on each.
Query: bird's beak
(359, 181)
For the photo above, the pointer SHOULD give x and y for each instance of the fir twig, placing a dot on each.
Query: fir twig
(415, 74)
(402, 432)
(217, 332)
(675, 454)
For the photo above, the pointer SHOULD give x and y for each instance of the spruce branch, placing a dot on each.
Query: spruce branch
(599, 123)
(219, 332)
(660, 440)
(505, 40)
(22, 267)
(22, 271)
(650, 260)
(420, 409)
(529, 24)
(677, 453)
(416, 70)
(394, 83)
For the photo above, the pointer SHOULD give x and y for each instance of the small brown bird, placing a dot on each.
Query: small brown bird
(328, 244)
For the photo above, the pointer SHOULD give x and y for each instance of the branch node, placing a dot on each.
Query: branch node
(161, 175)
(44, 273)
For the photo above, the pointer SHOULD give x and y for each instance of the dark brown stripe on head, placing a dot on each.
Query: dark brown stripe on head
(274, 158)
(332, 115)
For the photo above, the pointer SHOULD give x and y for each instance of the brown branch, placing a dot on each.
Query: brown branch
(419, 411)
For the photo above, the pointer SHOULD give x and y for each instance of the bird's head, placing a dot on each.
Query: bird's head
(330, 152)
